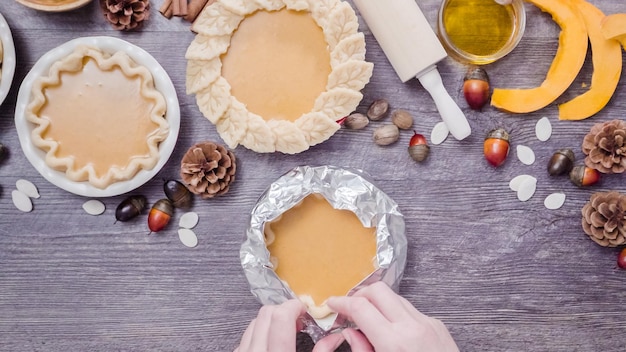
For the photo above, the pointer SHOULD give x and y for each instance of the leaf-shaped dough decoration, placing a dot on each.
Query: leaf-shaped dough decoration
(317, 127)
(240, 7)
(207, 47)
(289, 138)
(270, 5)
(342, 23)
(338, 102)
(214, 100)
(349, 48)
(297, 5)
(234, 125)
(352, 75)
(320, 10)
(215, 19)
(260, 137)
(201, 73)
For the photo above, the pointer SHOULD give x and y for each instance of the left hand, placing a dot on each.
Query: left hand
(274, 329)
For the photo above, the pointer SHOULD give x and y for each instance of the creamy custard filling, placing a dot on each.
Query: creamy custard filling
(320, 251)
(98, 117)
(277, 64)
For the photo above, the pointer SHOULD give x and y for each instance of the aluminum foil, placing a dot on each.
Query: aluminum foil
(344, 189)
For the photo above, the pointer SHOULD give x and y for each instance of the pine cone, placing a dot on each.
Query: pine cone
(208, 169)
(605, 147)
(126, 14)
(604, 218)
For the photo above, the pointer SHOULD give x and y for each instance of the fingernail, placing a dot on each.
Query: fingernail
(346, 336)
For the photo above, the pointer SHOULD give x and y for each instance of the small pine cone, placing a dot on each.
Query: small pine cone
(125, 14)
(604, 218)
(208, 169)
(605, 147)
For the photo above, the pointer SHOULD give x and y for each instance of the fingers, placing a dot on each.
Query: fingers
(358, 342)
(274, 328)
(364, 314)
(244, 345)
(283, 328)
(329, 343)
(387, 301)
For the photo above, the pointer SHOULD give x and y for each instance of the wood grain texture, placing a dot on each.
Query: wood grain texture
(503, 275)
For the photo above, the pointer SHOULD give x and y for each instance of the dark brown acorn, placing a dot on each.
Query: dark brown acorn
(178, 194)
(160, 215)
(583, 176)
(561, 162)
(130, 208)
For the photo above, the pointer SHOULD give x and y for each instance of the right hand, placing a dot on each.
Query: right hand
(386, 322)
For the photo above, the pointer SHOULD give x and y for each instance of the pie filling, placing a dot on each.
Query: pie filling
(320, 251)
(277, 64)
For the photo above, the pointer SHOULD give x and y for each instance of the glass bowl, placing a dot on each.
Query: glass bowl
(478, 31)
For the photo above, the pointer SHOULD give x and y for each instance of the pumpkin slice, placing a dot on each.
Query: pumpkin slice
(614, 27)
(567, 62)
(607, 68)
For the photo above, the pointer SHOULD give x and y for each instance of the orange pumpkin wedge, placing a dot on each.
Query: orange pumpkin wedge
(567, 62)
(607, 68)
(614, 27)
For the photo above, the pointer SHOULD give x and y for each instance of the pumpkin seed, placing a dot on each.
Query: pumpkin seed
(525, 155)
(543, 129)
(27, 188)
(189, 220)
(94, 207)
(188, 237)
(21, 201)
(439, 133)
(554, 201)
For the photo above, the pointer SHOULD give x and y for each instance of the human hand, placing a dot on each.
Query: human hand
(274, 328)
(387, 322)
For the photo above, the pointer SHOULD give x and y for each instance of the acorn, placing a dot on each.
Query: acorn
(418, 147)
(621, 259)
(160, 215)
(496, 146)
(583, 176)
(476, 87)
(178, 194)
(561, 162)
(130, 208)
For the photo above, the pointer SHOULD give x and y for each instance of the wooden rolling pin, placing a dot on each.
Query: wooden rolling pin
(413, 50)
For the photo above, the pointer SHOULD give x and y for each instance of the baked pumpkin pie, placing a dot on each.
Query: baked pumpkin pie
(98, 117)
(320, 251)
(277, 75)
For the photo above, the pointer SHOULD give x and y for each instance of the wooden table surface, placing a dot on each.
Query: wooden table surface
(504, 275)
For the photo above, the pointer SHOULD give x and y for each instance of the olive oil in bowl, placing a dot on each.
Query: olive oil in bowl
(480, 31)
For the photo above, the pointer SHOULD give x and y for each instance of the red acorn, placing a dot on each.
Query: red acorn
(418, 147)
(496, 146)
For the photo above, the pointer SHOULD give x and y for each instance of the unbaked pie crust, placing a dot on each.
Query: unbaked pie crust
(349, 73)
(105, 125)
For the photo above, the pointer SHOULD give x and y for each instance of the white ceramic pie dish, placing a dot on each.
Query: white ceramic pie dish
(36, 156)
(8, 59)
(59, 6)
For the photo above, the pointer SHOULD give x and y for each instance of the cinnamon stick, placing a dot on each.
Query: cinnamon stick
(176, 7)
(166, 9)
(195, 7)
(183, 8)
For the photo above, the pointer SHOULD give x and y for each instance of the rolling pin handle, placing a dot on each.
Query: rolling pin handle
(450, 112)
